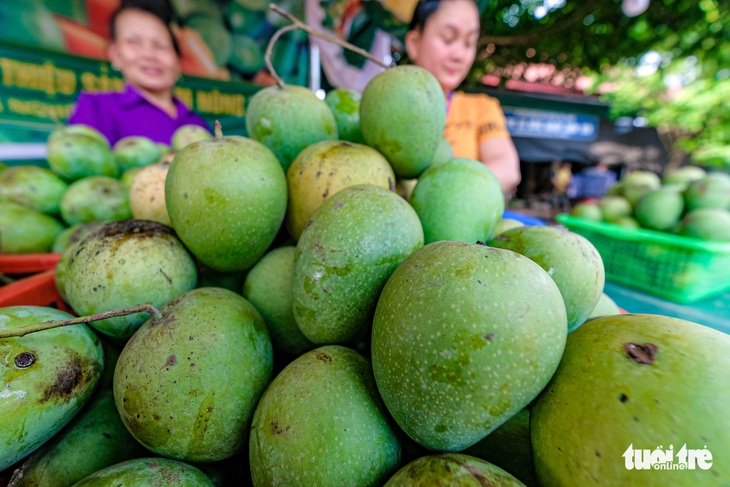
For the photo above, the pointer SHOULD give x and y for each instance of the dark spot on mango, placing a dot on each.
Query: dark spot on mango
(624, 398)
(171, 360)
(24, 360)
(324, 357)
(277, 430)
(73, 376)
(641, 354)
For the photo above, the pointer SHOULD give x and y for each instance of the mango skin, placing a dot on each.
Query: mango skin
(288, 120)
(226, 198)
(34, 187)
(451, 470)
(186, 387)
(402, 115)
(186, 135)
(464, 337)
(95, 198)
(353, 243)
(122, 264)
(569, 259)
(712, 191)
(74, 153)
(660, 210)
(600, 401)
(95, 439)
(712, 224)
(322, 170)
(321, 422)
(458, 200)
(135, 151)
(345, 106)
(26, 231)
(268, 286)
(143, 472)
(40, 399)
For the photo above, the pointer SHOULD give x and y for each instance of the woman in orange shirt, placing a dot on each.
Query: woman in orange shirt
(443, 39)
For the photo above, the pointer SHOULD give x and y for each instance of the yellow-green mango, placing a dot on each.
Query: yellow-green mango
(451, 470)
(26, 231)
(147, 472)
(34, 187)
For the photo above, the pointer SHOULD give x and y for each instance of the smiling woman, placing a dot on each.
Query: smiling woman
(145, 50)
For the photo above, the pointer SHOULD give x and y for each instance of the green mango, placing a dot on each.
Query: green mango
(214, 34)
(226, 198)
(268, 287)
(402, 115)
(683, 175)
(78, 129)
(444, 153)
(73, 234)
(147, 472)
(605, 307)
(186, 386)
(473, 216)
(634, 192)
(127, 177)
(122, 264)
(288, 120)
(660, 210)
(628, 385)
(188, 134)
(451, 470)
(32, 186)
(74, 153)
(627, 221)
(508, 447)
(207, 277)
(508, 224)
(95, 198)
(588, 211)
(47, 377)
(643, 178)
(712, 191)
(353, 243)
(614, 207)
(345, 105)
(321, 422)
(712, 224)
(132, 152)
(95, 439)
(26, 231)
(464, 337)
(569, 259)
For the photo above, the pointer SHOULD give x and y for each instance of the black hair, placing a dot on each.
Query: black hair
(423, 11)
(159, 8)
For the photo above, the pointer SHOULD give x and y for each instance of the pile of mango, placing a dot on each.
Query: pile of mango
(306, 324)
(686, 201)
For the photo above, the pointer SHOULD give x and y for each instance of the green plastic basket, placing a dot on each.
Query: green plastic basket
(677, 268)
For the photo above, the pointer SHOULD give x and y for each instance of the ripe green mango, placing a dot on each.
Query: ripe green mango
(321, 422)
(143, 472)
(188, 134)
(288, 120)
(26, 231)
(464, 337)
(74, 152)
(712, 191)
(353, 243)
(402, 115)
(345, 106)
(605, 307)
(132, 152)
(711, 224)
(472, 216)
(660, 210)
(569, 259)
(226, 198)
(589, 211)
(186, 386)
(32, 186)
(614, 207)
(47, 377)
(683, 175)
(95, 439)
(268, 287)
(451, 470)
(122, 264)
(444, 152)
(641, 381)
(95, 198)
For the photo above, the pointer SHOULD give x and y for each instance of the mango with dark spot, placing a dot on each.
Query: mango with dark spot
(226, 198)
(473, 216)
(32, 186)
(135, 151)
(122, 264)
(450, 470)
(47, 377)
(402, 115)
(569, 259)
(286, 120)
(95, 439)
(322, 170)
(356, 239)
(186, 386)
(647, 382)
(79, 151)
(322, 422)
(95, 198)
(157, 472)
(464, 337)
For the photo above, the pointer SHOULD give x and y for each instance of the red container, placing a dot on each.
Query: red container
(28, 263)
(37, 290)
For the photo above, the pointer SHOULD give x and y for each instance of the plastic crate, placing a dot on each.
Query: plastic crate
(28, 263)
(677, 268)
(37, 290)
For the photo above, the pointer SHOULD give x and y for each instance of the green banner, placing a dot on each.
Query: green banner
(39, 88)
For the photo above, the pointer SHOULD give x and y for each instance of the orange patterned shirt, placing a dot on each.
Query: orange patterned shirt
(472, 119)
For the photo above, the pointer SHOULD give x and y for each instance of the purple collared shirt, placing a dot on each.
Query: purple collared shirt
(118, 115)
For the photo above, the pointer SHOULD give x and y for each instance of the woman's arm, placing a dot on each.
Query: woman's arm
(499, 155)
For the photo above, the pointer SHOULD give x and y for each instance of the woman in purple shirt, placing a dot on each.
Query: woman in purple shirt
(144, 49)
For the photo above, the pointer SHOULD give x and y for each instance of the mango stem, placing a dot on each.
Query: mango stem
(270, 50)
(25, 330)
(218, 129)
